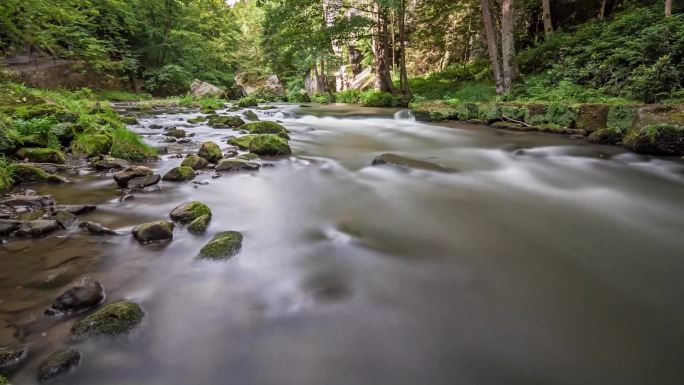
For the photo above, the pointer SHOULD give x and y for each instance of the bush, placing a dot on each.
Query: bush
(374, 98)
(348, 96)
(561, 115)
(128, 145)
(247, 101)
(322, 98)
(621, 118)
(5, 174)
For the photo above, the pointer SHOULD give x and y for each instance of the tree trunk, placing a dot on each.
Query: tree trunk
(548, 21)
(492, 46)
(355, 59)
(405, 90)
(508, 44)
(668, 8)
(381, 50)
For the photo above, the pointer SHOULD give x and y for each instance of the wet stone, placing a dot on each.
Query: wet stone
(65, 219)
(38, 228)
(96, 228)
(12, 358)
(75, 209)
(8, 226)
(234, 165)
(58, 363)
(407, 163)
(85, 294)
(111, 320)
(28, 201)
(153, 231)
(143, 181)
(123, 177)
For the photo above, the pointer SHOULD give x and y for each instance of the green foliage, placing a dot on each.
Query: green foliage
(121, 96)
(466, 83)
(247, 101)
(37, 132)
(128, 145)
(5, 174)
(92, 144)
(657, 139)
(621, 118)
(637, 54)
(542, 88)
(322, 98)
(562, 115)
(348, 96)
(372, 98)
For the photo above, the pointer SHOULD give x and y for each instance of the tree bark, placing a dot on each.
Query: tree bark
(668, 8)
(492, 47)
(403, 77)
(355, 59)
(508, 44)
(548, 21)
(381, 50)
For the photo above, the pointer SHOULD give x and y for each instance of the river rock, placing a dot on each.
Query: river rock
(96, 228)
(200, 88)
(27, 173)
(38, 228)
(407, 163)
(113, 319)
(106, 162)
(122, 177)
(27, 201)
(233, 165)
(606, 136)
(223, 245)
(58, 363)
(269, 145)
(265, 127)
(210, 151)
(143, 181)
(85, 294)
(199, 226)
(189, 211)
(42, 155)
(195, 162)
(65, 219)
(251, 115)
(11, 358)
(153, 231)
(180, 174)
(225, 121)
(75, 209)
(8, 226)
(197, 120)
(175, 133)
(248, 156)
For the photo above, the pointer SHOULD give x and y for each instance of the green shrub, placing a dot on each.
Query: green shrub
(373, 98)
(322, 98)
(247, 101)
(128, 145)
(121, 96)
(348, 96)
(514, 112)
(92, 144)
(562, 115)
(5, 174)
(621, 118)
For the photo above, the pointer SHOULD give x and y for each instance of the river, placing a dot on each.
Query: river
(542, 260)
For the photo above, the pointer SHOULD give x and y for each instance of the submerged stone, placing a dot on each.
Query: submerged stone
(180, 174)
(65, 219)
(8, 226)
(189, 211)
(153, 231)
(407, 163)
(58, 363)
(251, 115)
(96, 228)
(113, 319)
(223, 245)
(85, 294)
(75, 209)
(210, 151)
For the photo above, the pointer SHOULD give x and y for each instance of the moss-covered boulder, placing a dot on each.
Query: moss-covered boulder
(180, 174)
(197, 120)
(264, 127)
(605, 136)
(10, 359)
(123, 177)
(106, 162)
(199, 226)
(38, 228)
(42, 155)
(247, 101)
(111, 320)
(92, 144)
(27, 173)
(225, 121)
(60, 362)
(269, 144)
(241, 142)
(210, 151)
(195, 162)
(189, 211)
(223, 245)
(234, 165)
(657, 139)
(153, 231)
(592, 117)
(175, 133)
(251, 115)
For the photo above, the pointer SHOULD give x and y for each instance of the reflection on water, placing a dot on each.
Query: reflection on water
(542, 261)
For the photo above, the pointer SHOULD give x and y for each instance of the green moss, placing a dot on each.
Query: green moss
(514, 112)
(606, 136)
(241, 142)
(113, 319)
(92, 144)
(128, 145)
(621, 118)
(264, 144)
(190, 211)
(197, 120)
(210, 151)
(199, 225)
(227, 121)
(223, 245)
(265, 127)
(6, 179)
(26, 173)
(195, 162)
(180, 174)
(562, 115)
(247, 101)
(3, 381)
(489, 112)
(657, 139)
(42, 155)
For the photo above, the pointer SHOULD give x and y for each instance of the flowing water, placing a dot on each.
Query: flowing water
(543, 260)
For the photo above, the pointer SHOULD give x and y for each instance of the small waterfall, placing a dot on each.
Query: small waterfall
(404, 115)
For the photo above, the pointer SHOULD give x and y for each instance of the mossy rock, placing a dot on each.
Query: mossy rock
(195, 162)
(197, 120)
(130, 120)
(106, 162)
(199, 226)
(42, 155)
(60, 362)
(123, 177)
(27, 173)
(93, 144)
(248, 156)
(241, 142)
(211, 152)
(236, 165)
(180, 174)
(225, 121)
(153, 231)
(592, 117)
(189, 211)
(224, 245)
(10, 359)
(111, 320)
(247, 101)
(657, 139)
(251, 115)
(269, 145)
(605, 136)
(175, 133)
(265, 127)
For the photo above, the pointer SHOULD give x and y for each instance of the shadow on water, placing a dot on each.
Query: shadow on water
(542, 260)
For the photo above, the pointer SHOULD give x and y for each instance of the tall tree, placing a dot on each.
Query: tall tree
(548, 21)
(403, 75)
(508, 44)
(381, 48)
(492, 46)
(668, 8)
